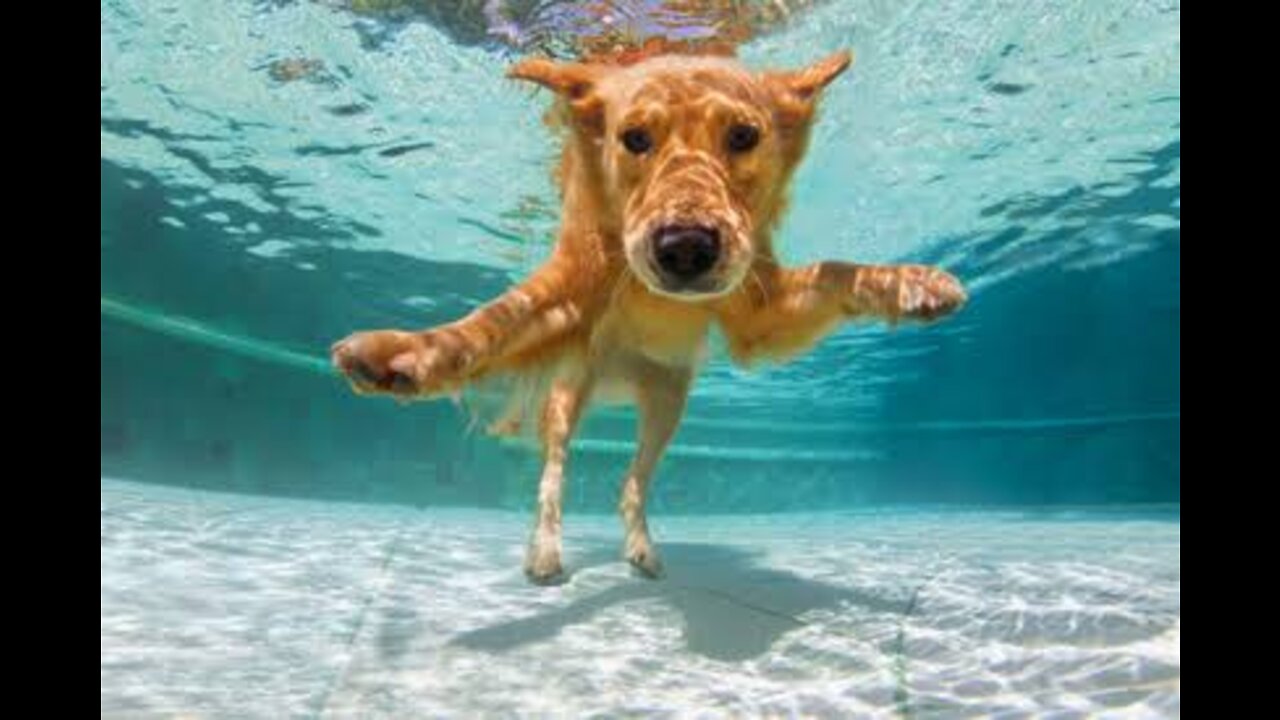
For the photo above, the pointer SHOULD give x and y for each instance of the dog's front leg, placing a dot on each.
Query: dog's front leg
(785, 311)
(897, 292)
(442, 359)
(560, 414)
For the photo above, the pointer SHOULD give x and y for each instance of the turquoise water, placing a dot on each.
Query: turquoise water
(247, 222)
(276, 174)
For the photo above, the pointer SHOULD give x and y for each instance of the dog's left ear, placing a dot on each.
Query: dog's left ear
(796, 91)
(806, 83)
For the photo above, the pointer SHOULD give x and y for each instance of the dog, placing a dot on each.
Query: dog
(673, 179)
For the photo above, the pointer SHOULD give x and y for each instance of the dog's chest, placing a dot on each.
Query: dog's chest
(644, 326)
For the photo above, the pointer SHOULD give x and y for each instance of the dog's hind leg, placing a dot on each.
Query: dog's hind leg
(660, 400)
(564, 406)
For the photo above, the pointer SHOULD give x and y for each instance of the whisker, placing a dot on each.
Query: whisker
(764, 291)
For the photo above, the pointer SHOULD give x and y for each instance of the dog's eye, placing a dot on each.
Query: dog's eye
(637, 141)
(742, 138)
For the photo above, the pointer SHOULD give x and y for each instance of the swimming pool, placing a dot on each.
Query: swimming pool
(972, 516)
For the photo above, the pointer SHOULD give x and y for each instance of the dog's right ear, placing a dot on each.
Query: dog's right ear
(575, 82)
(570, 80)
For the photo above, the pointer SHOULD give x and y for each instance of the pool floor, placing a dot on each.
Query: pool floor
(232, 606)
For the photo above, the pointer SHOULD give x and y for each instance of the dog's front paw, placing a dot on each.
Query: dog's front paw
(926, 293)
(404, 364)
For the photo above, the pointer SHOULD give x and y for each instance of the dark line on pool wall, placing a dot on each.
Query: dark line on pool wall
(194, 331)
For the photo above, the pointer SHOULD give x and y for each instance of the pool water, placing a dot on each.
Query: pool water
(975, 518)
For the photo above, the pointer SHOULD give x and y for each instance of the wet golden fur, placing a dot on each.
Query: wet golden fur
(601, 317)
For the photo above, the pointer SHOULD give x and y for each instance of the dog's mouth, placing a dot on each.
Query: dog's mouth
(687, 260)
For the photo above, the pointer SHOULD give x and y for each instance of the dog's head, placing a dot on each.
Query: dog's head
(692, 156)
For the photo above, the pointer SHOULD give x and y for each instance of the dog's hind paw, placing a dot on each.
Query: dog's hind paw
(644, 559)
(543, 567)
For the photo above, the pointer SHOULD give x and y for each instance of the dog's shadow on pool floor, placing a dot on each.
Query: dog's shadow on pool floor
(732, 608)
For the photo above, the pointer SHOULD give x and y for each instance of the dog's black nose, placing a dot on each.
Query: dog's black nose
(686, 252)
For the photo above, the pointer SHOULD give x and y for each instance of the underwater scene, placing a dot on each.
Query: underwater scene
(973, 517)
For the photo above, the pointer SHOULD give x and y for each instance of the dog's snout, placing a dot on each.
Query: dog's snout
(686, 252)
